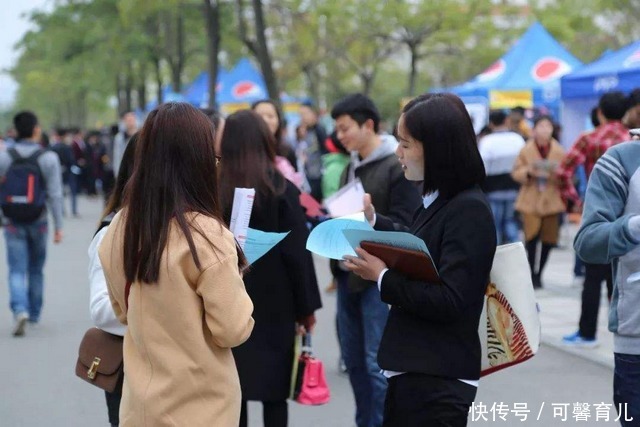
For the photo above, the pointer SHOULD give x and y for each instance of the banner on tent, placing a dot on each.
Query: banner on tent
(510, 98)
(231, 107)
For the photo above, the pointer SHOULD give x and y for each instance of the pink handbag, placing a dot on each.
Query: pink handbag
(312, 386)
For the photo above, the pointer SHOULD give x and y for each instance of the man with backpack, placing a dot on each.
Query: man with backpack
(29, 176)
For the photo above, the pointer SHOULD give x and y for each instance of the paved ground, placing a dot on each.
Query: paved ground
(39, 387)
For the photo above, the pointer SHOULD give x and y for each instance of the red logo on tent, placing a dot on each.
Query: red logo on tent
(246, 89)
(494, 71)
(549, 68)
(632, 60)
(218, 87)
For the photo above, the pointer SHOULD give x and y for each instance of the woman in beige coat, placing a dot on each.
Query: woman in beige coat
(539, 201)
(187, 305)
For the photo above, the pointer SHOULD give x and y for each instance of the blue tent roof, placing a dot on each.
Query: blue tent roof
(242, 84)
(535, 62)
(619, 70)
(198, 91)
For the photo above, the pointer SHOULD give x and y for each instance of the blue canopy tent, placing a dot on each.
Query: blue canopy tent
(197, 93)
(242, 85)
(236, 89)
(581, 90)
(527, 75)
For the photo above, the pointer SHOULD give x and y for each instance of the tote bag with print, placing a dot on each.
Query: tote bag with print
(510, 323)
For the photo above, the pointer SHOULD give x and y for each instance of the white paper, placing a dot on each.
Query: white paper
(241, 213)
(356, 217)
(327, 238)
(347, 200)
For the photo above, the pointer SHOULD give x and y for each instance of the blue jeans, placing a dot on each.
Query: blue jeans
(361, 320)
(626, 388)
(74, 187)
(26, 253)
(505, 218)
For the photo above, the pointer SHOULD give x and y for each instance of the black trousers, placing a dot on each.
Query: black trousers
(274, 414)
(419, 400)
(595, 274)
(113, 403)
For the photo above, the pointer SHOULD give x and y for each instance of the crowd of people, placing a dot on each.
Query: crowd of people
(204, 332)
(532, 183)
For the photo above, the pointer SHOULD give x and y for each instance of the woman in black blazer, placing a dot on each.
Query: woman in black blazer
(430, 350)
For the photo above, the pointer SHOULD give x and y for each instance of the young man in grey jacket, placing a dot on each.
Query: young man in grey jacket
(610, 233)
(27, 241)
(361, 313)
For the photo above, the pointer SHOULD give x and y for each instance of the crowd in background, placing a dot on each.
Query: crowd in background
(531, 183)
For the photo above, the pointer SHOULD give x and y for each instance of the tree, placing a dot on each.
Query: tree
(572, 22)
(299, 43)
(620, 19)
(360, 36)
(62, 72)
(436, 29)
(212, 19)
(258, 45)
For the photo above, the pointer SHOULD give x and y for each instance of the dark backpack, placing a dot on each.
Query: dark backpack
(22, 191)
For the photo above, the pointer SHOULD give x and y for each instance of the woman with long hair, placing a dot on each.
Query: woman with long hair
(539, 201)
(430, 350)
(102, 313)
(173, 271)
(285, 159)
(282, 284)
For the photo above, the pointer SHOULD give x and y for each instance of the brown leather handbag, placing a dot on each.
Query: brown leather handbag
(100, 359)
(100, 356)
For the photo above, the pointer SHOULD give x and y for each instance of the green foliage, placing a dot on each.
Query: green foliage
(84, 54)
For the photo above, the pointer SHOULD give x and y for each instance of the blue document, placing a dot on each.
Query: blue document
(328, 239)
(259, 243)
(391, 238)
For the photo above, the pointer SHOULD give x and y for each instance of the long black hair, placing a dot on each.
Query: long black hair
(441, 123)
(248, 159)
(174, 174)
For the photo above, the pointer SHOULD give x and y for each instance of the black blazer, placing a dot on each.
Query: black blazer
(283, 286)
(433, 327)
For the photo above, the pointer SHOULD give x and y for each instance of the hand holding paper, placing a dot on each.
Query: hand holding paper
(403, 252)
(365, 265)
(347, 200)
(368, 208)
(327, 239)
(241, 213)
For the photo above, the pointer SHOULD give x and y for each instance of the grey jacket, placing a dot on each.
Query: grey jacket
(51, 172)
(391, 194)
(610, 233)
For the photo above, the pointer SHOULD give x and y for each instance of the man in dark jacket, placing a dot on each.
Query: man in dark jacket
(361, 313)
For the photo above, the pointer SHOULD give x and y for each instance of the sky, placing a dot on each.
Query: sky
(13, 26)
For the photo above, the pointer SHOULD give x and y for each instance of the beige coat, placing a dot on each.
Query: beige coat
(179, 369)
(531, 199)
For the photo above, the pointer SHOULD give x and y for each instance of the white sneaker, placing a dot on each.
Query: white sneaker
(21, 323)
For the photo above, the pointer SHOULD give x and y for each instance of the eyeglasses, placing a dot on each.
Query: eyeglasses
(218, 160)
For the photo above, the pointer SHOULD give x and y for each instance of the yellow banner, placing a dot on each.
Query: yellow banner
(232, 107)
(510, 98)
